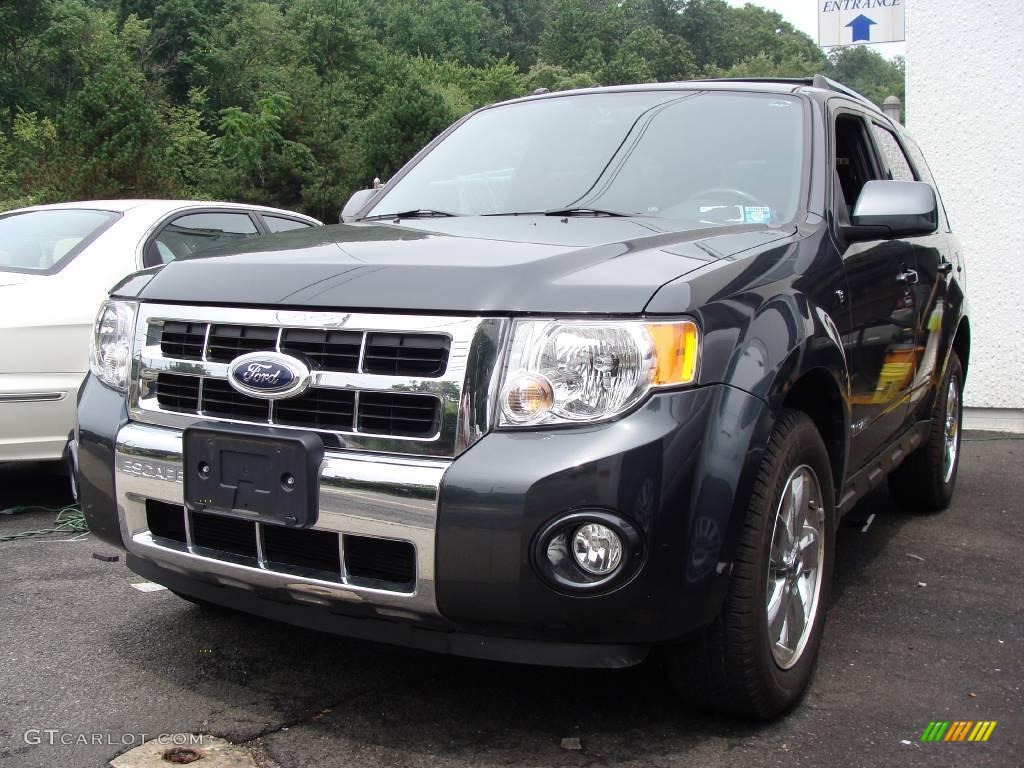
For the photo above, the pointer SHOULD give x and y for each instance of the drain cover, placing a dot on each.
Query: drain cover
(183, 755)
(185, 749)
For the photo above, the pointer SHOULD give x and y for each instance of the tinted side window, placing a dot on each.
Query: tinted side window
(855, 163)
(280, 224)
(925, 174)
(187, 235)
(892, 154)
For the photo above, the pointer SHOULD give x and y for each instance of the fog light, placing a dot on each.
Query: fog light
(597, 549)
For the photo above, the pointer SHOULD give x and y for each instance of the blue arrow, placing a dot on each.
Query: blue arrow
(861, 27)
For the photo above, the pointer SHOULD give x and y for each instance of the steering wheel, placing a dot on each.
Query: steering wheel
(715, 192)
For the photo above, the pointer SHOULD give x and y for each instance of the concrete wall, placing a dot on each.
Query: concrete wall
(965, 63)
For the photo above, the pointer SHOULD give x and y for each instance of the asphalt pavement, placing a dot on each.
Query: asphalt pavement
(926, 623)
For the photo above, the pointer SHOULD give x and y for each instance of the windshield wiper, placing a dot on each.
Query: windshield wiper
(417, 213)
(582, 211)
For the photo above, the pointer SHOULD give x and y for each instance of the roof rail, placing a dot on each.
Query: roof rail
(818, 81)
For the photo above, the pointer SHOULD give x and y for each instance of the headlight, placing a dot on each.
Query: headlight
(579, 371)
(111, 352)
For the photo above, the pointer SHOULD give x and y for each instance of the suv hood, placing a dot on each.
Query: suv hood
(527, 263)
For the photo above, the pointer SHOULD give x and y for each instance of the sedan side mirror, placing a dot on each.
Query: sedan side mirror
(355, 204)
(893, 209)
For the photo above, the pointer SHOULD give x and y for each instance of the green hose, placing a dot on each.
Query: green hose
(69, 520)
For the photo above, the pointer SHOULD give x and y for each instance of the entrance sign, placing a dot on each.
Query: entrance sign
(849, 22)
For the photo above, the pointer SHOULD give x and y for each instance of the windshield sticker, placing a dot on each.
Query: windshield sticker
(756, 214)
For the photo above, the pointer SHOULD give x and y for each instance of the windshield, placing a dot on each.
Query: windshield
(45, 241)
(697, 156)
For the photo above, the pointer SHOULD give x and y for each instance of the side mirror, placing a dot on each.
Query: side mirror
(355, 204)
(893, 209)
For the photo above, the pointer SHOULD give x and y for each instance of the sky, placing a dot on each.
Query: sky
(803, 14)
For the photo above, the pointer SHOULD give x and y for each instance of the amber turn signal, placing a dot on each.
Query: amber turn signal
(676, 352)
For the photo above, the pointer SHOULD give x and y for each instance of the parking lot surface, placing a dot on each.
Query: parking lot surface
(926, 623)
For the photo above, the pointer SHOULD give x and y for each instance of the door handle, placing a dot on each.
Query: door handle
(945, 267)
(907, 277)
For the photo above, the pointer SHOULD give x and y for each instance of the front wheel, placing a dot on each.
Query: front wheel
(756, 659)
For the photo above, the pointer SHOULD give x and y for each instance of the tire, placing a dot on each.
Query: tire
(734, 666)
(925, 481)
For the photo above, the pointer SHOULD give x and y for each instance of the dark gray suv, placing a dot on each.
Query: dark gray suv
(596, 374)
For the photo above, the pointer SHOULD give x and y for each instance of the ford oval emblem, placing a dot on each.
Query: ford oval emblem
(268, 375)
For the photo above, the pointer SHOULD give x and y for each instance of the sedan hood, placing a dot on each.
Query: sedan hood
(529, 263)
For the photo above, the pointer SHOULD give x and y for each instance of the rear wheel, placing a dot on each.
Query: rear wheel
(925, 480)
(756, 659)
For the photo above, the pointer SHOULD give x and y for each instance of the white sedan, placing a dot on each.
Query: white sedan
(57, 263)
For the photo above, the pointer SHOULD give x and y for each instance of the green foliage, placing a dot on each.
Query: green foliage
(409, 114)
(29, 169)
(298, 103)
(869, 73)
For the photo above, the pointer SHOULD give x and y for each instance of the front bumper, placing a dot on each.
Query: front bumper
(677, 468)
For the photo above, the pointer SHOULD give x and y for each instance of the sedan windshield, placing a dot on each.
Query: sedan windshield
(702, 157)
(45, 241)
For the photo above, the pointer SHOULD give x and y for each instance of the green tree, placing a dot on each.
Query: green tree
(868, 72)
(113, 133)
(248, 138)
(299, 102)
(408, 115)
(556, 78)
(32, 170)
(21, 23)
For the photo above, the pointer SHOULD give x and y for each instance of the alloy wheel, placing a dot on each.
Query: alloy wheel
(795, 566)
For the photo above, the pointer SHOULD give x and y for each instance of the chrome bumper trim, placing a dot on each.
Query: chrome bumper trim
(391, 497)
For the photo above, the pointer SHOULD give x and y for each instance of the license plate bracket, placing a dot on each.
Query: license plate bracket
(254, 473)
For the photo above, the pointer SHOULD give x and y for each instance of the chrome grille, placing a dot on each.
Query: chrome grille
(391, 354)
(386, 414)
(219, 399)
(328, 409)
(408, 354)
(327, 350)
(183, 340)
(226, 342)
(372, 562)
(422, 385)
(178, 393)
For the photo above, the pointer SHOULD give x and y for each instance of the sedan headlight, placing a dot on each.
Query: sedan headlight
(111, 352)
(580, 371)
